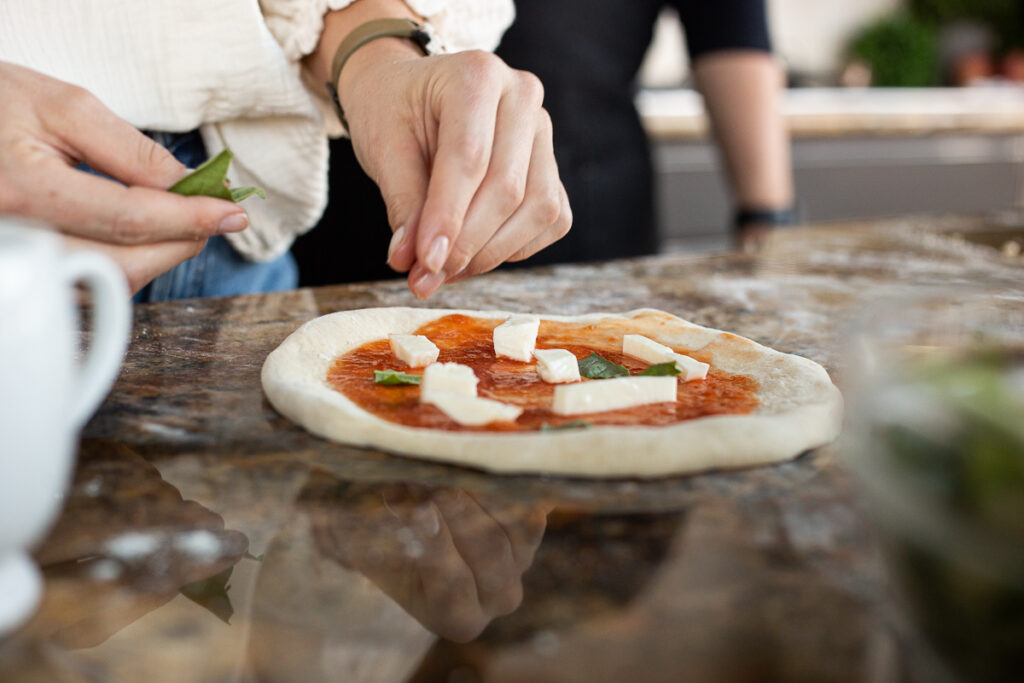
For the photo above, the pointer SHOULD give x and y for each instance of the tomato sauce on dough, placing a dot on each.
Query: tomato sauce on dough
(466, 340)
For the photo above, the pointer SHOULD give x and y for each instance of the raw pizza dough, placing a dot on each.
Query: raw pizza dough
(799, 407)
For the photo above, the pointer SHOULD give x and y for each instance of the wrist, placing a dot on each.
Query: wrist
(366, 48)
(368, 58)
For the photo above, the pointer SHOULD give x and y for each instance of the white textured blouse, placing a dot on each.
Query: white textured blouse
(228, 67)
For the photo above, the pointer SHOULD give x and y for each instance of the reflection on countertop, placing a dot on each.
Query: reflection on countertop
(206, 538)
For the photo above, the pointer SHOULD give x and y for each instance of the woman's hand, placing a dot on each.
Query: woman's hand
(47, 127)
(461, 148)
(452, 559)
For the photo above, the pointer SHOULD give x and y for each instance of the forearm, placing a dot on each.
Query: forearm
(340, 23)
(742, 92)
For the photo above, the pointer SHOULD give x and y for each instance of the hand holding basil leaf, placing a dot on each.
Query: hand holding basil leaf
(211, 180)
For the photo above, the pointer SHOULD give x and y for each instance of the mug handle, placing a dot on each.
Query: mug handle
(111, 326)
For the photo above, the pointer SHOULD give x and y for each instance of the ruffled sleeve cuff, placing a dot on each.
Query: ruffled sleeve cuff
(297, 24)
(458, 24)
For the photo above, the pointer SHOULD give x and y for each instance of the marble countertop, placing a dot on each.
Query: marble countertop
(206, 538)
(838, 112)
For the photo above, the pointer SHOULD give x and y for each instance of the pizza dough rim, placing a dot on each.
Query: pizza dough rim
(293, 380)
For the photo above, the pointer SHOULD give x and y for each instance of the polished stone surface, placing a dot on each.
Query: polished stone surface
(205, 538)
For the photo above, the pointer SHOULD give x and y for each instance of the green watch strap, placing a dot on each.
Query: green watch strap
(363, 34)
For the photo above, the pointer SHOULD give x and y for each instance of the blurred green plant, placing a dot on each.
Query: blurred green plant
(900, 49)
(1004, 17)
(959, 453)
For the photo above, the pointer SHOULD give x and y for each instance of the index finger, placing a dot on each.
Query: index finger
(464, 146)
(99, 209)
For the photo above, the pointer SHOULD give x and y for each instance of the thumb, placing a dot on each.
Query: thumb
(403, 181)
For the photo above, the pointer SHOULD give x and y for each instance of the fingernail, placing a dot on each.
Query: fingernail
(236, 222)
(437, 255)
(427, 284)
(426, 521)
(396, 241)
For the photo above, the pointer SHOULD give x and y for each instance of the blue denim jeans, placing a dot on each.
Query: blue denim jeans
(218, 270)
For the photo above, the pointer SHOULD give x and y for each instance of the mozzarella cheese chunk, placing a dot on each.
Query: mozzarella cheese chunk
(473, 411)
(557, 366)
(612, 394)
(414, 349)
(650, 351)
(516, 338)
(447, 378)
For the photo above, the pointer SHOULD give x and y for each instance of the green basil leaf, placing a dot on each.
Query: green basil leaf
(596, 366)
(575, 424)
(240, 193)
(212, 594)
(211, 180)
(669, 369)
(395, 378)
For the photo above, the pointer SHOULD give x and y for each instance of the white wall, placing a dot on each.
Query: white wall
(811, 34)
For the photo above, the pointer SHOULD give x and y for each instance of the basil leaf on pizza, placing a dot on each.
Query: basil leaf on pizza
(673, 397)
(596, 366)
(670, 369)
(395, 378)
(575, 424)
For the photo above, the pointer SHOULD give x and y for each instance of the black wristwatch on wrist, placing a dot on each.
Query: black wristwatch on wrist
(773, 217)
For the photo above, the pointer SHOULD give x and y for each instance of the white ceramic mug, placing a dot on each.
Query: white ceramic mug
(45, 395)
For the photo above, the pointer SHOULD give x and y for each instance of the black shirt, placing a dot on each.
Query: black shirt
(587, 53)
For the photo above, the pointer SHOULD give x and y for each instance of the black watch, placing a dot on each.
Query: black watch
(776, 217)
